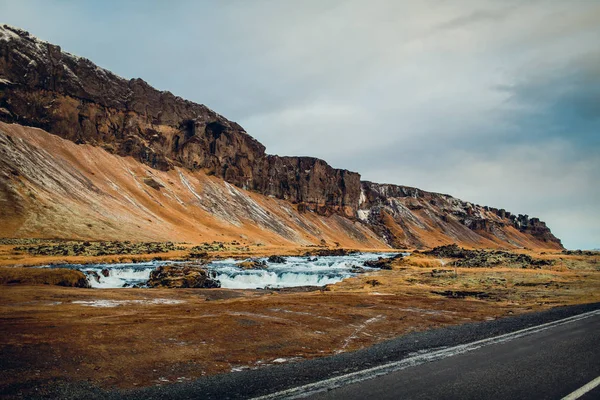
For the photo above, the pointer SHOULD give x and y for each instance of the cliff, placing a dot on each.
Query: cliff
(410, 217)
(70, 97)
(51, 187)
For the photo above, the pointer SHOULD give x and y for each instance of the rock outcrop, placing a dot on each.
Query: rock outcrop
(410, 217)
(69, 96)
(51, 187)
(486, 258)
(173, 276)
(252, 264)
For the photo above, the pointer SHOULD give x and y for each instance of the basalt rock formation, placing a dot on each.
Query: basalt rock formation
(44, 87)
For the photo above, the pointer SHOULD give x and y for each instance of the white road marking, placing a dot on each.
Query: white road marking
(434, 355)
(358, 329)
(583, 390)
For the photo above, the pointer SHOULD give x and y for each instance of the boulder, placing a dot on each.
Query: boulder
(357, 270)
(450, 251)
(175, 276)
(381, 263)
(93, 275)
(276, 259)
(252, 264)
(329, 252)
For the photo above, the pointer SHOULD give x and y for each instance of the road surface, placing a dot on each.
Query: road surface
(545, 355)
(549, 364)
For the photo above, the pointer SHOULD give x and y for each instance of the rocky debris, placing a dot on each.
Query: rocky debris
(438, 273)
(93, 275)
(22, 241)
(357, 270)
(276, 259)
(198, 254)
(373, 282)
(105, 272)
(175, 276)
(581, 252)
(132, 286)
(74, 248)
(486, 258)
(297, 289)
(450, 251)
(329, 252)
(461, 294)
(252, 264)
(153, 184)
(381, 263)
(233, 246)
(536, 284)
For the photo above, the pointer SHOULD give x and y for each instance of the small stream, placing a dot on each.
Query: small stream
(295, 271)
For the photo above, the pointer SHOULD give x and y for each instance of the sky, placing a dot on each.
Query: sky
(493, 102)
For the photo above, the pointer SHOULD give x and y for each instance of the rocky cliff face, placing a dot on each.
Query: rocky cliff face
(69, 96)
(52, 187)
(410, 217)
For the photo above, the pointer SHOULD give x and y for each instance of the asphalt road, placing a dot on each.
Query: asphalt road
(545, 365)
(557, 353)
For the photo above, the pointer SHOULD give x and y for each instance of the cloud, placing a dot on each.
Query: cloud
(478, 16)
(559, 101)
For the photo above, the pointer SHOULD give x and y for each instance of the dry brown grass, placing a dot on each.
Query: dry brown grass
(54, 333)
(10, 257)
(42, 276)
(143, 340)
(570, 280)
(419, 261)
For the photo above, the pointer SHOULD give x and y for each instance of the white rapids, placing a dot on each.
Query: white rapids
(295, 271)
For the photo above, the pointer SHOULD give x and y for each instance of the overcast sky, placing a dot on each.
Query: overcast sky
(494, 102)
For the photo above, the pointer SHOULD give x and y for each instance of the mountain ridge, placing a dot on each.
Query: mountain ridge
(69, 96)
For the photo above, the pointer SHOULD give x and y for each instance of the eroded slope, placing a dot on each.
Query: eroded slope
(52, 187)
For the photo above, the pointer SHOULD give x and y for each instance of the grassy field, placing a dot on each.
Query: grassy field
(137, 337)
(42, 276)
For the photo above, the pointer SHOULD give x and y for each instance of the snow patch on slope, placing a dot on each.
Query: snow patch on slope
(363, 215)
